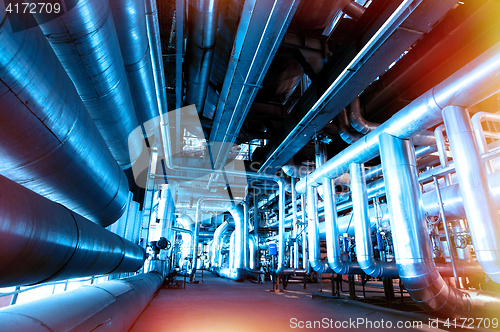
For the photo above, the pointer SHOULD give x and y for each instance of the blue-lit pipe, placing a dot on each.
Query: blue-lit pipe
(108, 306)
(85, 41)
(48, 141)
(43, 241)
(130, 22)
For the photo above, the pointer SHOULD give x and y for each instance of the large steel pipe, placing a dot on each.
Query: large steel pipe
(412, 247)
(332, 234)
(238, 270)
(86, 43)
(313, 233)
(216, 247)
(480, 209)
(108, 306)
(363, 126)
(473, 83)
(129, 17)
(48, 141)
(362, 226)
(42, 240)
(202, 26)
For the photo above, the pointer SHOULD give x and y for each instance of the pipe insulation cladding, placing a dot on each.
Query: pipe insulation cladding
(131, 28)
(48, 141)
(43, 241)
(86, 43)
(108, 306)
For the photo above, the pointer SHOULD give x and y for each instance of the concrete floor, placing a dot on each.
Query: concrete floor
(224, 305)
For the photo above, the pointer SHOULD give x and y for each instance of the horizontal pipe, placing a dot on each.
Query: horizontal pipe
(44, 241)
(479, 79)
(129, 17)
(108, 306)
(85, 41)
(48, 140)
(202, 27)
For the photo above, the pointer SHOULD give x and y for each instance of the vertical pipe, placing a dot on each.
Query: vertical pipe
(202, 27)
(295, 226)
(412, 247)
(479, 206)
(305, 257)
(446, 231)
(362, 227)
(335, 262)
(313, 231)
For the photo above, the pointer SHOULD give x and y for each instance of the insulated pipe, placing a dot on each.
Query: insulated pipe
(473, 83)
(202, 28)
(48, 141)
(480, 209)
(296, 171)
(364, 126)
(420, 152)
(295, 227)
(238, 272)
(332, 235)
(412, 248)
(480, 135)
(186, 221)
(305, 245)
(216, 248)
(108, 306)
(153, 28)
(362, 226)
(345, 131)
(312, 229)
(85, 41)
(253, 247)
(44, 241)
(129, 17)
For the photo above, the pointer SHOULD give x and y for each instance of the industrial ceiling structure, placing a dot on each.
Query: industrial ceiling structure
(243, 137)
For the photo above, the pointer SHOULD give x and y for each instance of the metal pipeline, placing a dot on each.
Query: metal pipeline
(202, 27)
(186, 221)
(108, 306)
(216, 248)
(43, 240)
(345, 131)
(363, 230)
(412, 247)
(296, 171)
(420, 152)
(253, 248)
(305, 245)
(129, 17)
(45, 137)
(153, 28)
(85, 41)
(295, 227)
(332, 235)
(474, 82)
(313, 233)
(238, 271)
(364, 126)
(480, 209)
(480, 134)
